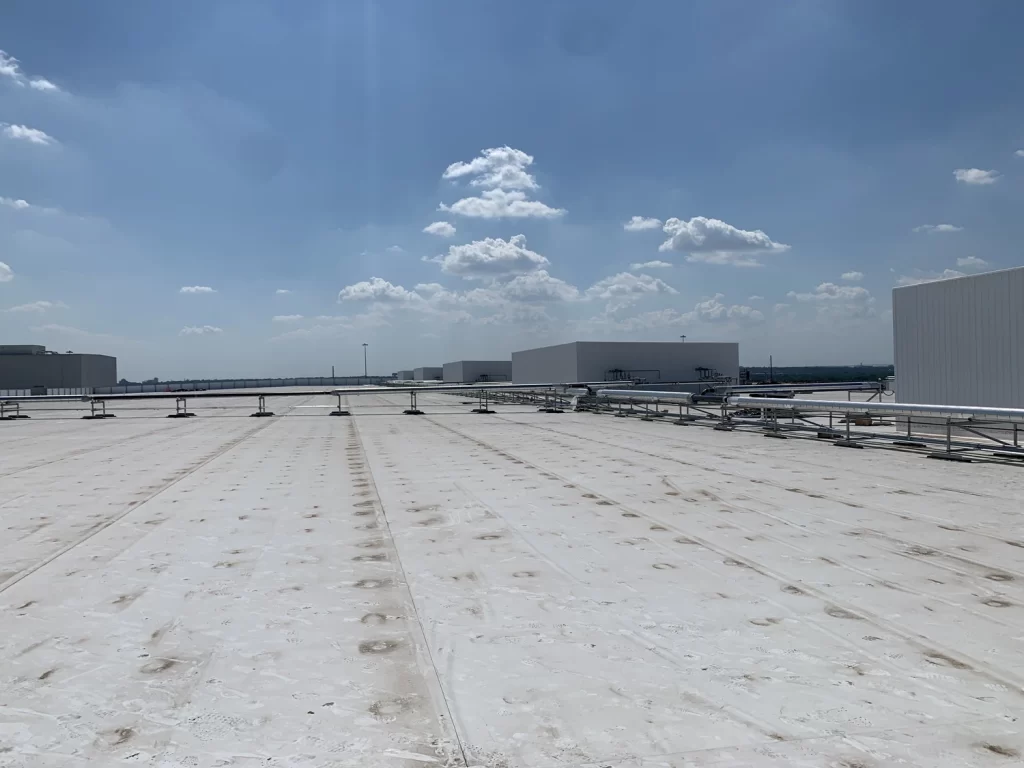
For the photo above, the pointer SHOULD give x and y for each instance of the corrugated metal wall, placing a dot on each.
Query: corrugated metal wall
(961, 341)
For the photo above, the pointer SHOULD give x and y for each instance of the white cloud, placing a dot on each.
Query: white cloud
(641, 223)
(18, 205)
(838, 301)
(539, 286)
(495, 168)
(971, 262)
(6, 273)
(924, 277)
(491, 257)
(282, 291)
(10, 68)
(199, 330)
(37, 306)
(935, 229)
(77, 333)
(780, 307)
(377, 289)
(501, 173)
(832, 292)
(715, 242)
(395, 249)
(440, 228)
(755, 298)
(285, 318)
(501, 204)
(649, 265)
(529, 315)
(623, 289)
(31, 135)
(975, 176)
(852, 277)
(712, 310)
(196, 289)
(42, 84)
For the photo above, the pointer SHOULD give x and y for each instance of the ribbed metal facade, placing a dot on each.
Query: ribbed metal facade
(961, 341)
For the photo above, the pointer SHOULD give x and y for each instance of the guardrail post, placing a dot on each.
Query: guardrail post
(180, 409)
(412, 410)
(847, 442)
(262, 408)
(102, 414)
(339, 411)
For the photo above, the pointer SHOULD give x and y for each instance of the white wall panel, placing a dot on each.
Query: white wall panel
(958, 341)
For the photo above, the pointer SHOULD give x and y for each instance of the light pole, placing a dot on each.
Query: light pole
(365, 374)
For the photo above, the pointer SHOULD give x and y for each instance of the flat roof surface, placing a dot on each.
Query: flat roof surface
(510, 590)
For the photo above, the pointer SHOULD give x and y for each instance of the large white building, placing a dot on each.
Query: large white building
(654, 361)
(428, 373)
(472, 371)
(961, 341)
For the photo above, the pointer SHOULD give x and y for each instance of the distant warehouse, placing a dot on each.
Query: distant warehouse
(653, 361)
(961, 341)
(428, 373)
(31, 366)
(472, 371)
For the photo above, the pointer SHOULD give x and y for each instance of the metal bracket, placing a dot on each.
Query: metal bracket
(262, 409)
(339, 411)
(101, 414)
(180, 409)
(412, 410)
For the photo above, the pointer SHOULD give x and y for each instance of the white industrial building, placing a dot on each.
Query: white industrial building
(653, 361)
(428, 373)
(404, 375)
(961, 341)
(472, 371)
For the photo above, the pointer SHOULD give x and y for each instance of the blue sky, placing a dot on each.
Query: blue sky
(288, 156)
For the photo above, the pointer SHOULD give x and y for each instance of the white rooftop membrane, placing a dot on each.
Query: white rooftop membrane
(517, 589)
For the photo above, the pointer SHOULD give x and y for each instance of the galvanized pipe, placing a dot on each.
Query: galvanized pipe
(885, 409)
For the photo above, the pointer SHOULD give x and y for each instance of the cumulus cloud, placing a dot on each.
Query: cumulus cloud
(36, 306)
(501, 173)
(18, 205)
(649, 265)
(831, 292)
(713, 310)
(11, 69)
(641, 223)
(937, 229)
(971, 262)
(6, 273)
(539, 286)
(199, 330)
(502, 204)
(853, 277)
(196, 289)
(285, 318)
(282, 291)
(495, 168)
(755, 298)
(31, 135)
(1019, 153)
(379, 290)
(491, 257)
(975, 176)
(623, 289)
(440, 228)
(927, 277)
(838, 301)
(395, 249)
(715, 242)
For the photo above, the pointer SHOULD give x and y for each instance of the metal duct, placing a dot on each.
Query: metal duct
(647, 395)
(962, 412)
